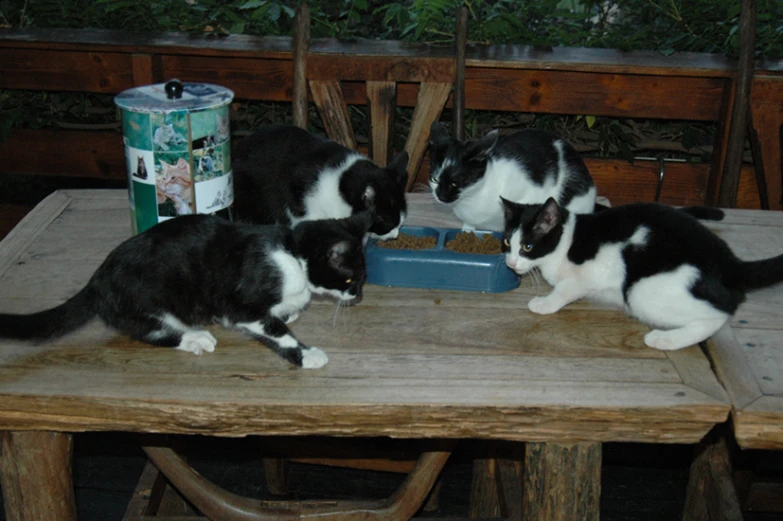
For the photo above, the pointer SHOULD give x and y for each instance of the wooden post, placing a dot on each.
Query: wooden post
(460, 40)
(729, 185)
(301, 43)
(711, 495)
(381, 101)
(35, 471)
(562, 482)
(484, 500)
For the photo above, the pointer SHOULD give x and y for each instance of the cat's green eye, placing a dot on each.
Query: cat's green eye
(348, 281)
(506, 243)
(527, 247)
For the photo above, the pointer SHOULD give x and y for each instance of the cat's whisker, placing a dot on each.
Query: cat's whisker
(340, 304)
(422, 188)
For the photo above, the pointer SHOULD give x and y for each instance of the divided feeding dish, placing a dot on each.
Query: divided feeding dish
(438, 267)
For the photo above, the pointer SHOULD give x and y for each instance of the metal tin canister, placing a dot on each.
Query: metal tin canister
(177, 151)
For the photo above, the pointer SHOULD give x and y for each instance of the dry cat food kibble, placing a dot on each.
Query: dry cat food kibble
(469, 242)
(410, 242)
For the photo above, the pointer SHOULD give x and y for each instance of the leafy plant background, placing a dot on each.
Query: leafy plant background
(666, 26)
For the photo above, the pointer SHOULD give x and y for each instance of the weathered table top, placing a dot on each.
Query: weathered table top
(748, 356)
(410, 363)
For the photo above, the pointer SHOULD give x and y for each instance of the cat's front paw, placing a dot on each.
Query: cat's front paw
(197, 342)
(663, 340)
(313, 358)
(543, 305)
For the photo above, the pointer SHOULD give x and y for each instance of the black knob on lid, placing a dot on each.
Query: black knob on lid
(173, 89)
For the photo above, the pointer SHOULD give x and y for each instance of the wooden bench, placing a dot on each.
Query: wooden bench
(405, 363)
(518, 78)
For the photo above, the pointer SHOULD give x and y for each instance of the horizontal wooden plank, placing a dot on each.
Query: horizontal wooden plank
(760, 425)
(34, 69)
(506, 55)
(87, 154)
(599, 94)
(243, 75)
(372, 68)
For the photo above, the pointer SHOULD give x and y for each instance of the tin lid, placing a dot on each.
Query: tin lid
(174, 96)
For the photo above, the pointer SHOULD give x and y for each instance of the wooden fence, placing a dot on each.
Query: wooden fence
(600, 82)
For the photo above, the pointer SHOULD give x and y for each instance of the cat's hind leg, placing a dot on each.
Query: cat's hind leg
(166, 331)
(687, 335)
(275, 334)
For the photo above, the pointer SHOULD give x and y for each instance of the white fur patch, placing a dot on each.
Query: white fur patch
(197, 342)
(313, 358)
(324, 201)
(334, 293)
(435, 174)
(296, 287)
(257, 328)
(665, 301)
(479, 205)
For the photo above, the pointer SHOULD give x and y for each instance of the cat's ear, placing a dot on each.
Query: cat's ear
(479, 149)
(368, 198)
(362, 221)
(439, 135)
(335, 257)
(399, 166)
(548, 217)
(508, 208)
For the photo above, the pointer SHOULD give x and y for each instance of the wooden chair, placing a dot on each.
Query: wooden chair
(316, 72)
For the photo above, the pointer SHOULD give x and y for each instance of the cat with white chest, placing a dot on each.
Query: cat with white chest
(658, 263)
(163, 285)
(525, 167)
(286, 175)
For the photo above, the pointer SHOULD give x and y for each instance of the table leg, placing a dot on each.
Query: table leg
(562, 482)
(35, 472)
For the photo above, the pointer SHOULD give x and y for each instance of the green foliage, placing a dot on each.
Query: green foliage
(663, 25)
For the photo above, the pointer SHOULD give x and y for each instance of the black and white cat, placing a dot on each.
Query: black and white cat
(284, 174)
(162, 285)
(526, 167)
(658, 263)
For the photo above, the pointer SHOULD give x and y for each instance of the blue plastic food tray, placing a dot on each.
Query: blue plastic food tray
(437, 267)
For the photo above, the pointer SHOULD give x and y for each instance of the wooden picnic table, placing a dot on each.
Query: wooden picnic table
(748, 354)
(405, 363)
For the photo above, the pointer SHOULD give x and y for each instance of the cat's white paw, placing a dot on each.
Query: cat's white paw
(543, 305)
(662, 340)
(313, 358)
(290, 318)
(197, 342)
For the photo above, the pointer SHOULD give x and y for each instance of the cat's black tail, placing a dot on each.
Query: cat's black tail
(761, 273)
(51, 323)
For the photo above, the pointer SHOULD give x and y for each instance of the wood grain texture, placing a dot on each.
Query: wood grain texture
(329, 100)
(299, 78)
(36, 476)
(432, 98)
(582, 374)
(562, 482)
(766, 105)
(382, 102)
(747, 356)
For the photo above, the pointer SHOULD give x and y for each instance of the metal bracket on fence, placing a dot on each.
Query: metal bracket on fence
(661, 171)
